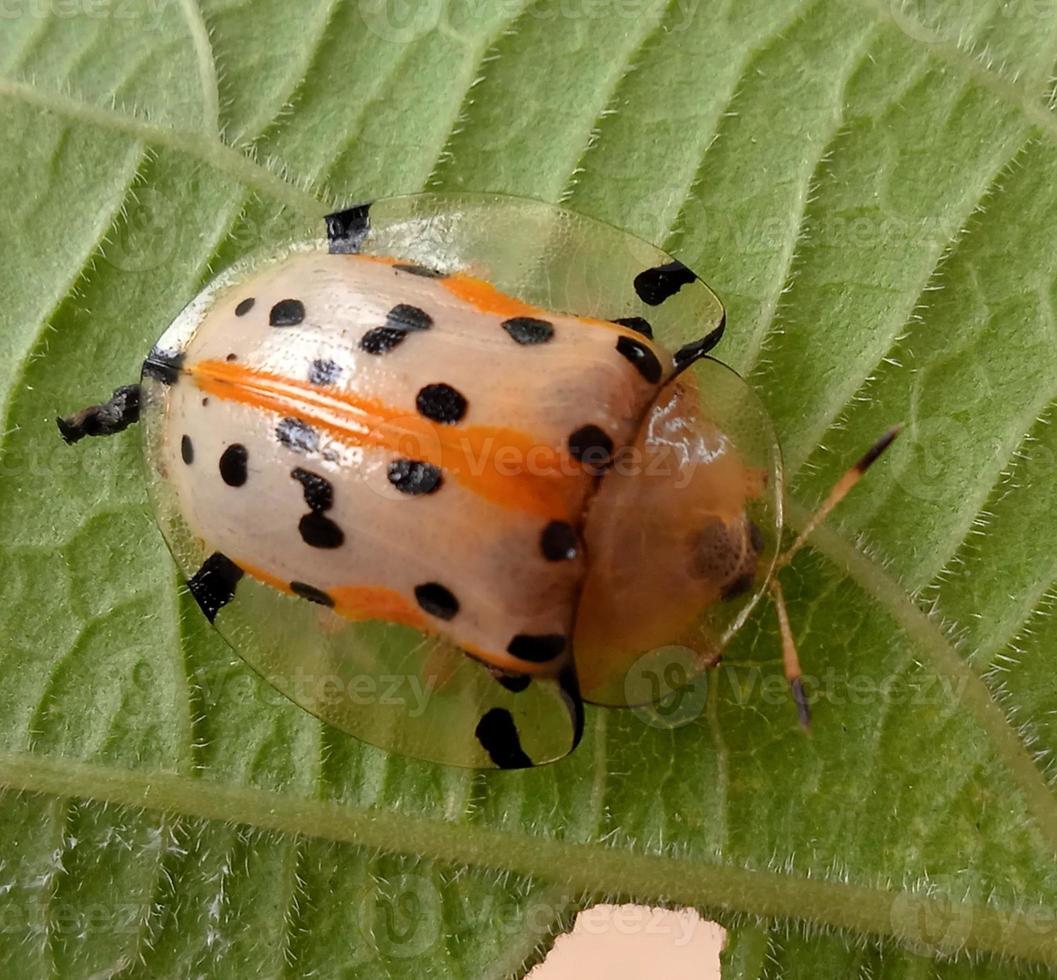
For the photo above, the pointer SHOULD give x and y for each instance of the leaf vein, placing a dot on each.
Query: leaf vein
(207, 68)
(210, 150)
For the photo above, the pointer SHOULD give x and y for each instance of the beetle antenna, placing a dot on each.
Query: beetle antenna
(789, 656)
(840, 490)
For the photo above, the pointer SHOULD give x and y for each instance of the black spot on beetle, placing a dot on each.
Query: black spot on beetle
(528, 331)
(297, 435)
(318, 491)
(591, 446)
(233, 465)
(499, 737)
(287, 313)
(401, 320)
(438, 601)
(311, 593)
(187, 450)
(381, 340)
(536, 648)
(656, 285)
(323, 371)
(245, 306)
(441, 403)
(638, 324)
(413, 477)
(213, 585)
(404, 316)
(644, 360)
(558, 541)
(319, 531)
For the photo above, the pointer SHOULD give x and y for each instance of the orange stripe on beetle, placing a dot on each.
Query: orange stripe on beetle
(354, 602)
(501, 465)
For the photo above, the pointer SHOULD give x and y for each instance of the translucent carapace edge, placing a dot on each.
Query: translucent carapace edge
(386, 684)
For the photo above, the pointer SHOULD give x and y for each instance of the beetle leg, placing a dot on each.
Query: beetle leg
(121, 411)
(789, 655)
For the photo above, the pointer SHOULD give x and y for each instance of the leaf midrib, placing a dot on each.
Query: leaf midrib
(588, 869)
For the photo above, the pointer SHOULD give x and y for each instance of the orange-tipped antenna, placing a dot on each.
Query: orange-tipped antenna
(789, 656)
(838, 493)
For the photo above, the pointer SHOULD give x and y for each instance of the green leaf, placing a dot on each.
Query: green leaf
(870, 186)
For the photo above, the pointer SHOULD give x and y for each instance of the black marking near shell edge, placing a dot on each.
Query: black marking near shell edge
(655, 285)
(536, 648)
(528, 330)
(413, 477)
(499, 737)
(419, 270)
(514, 683)
(441, 403)
(245, 306)
(213, 585)
(187, 449)
(569, 687)
(638, 324)
(311, 593)
(163, 366)
(437, 600)
(347, 229)
(643, 359)
(297, 435)
(697, 349)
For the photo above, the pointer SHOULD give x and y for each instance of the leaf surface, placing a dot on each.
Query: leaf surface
(868, 185)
